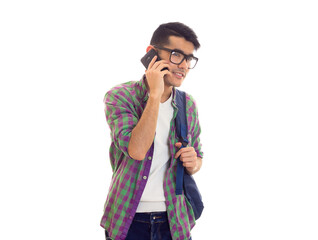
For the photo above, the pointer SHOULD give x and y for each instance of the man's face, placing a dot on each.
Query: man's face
(180, 71)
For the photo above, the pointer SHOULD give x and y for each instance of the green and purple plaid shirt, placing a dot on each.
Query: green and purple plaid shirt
(124, 105)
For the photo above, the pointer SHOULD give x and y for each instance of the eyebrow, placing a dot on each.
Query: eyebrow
(179, 50)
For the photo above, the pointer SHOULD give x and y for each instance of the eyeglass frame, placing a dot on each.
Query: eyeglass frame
(179, 51)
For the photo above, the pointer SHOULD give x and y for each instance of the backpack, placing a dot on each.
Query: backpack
(185, 181)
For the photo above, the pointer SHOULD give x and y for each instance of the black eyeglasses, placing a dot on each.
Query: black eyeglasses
(177, 57)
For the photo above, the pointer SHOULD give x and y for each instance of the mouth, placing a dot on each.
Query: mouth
(179, 75)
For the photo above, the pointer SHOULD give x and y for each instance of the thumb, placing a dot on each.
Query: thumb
(178, 144)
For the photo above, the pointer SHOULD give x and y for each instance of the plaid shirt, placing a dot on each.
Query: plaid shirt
(124, 105)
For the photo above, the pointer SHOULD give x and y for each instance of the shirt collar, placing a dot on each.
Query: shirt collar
(143, 94)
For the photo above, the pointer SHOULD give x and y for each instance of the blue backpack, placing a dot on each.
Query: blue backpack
(185, 181)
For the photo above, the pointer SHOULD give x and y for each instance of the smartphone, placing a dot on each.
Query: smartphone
(148, 57)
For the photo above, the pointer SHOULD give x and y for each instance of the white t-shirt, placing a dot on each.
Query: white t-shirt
(153, 199)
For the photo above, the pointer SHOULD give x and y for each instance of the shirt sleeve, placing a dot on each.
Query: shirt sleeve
(121, 118)
(194, 127)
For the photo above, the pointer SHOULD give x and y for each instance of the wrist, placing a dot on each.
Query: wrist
(155, 96)
(196, 168)
(192, 170)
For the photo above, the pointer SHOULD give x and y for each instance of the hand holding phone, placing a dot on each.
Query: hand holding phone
(155, 72)
(149, 56)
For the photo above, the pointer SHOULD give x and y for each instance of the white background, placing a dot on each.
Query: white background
(255, 85)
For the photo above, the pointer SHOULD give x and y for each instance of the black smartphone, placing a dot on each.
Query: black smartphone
(148, 57)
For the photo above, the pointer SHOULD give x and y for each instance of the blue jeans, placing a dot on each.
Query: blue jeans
(149, 226)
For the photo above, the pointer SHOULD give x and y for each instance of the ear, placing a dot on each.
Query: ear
(149, 48)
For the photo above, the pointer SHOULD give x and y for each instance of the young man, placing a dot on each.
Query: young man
(141, 203)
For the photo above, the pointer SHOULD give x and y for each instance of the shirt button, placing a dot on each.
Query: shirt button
(144, 177)
(149, 158)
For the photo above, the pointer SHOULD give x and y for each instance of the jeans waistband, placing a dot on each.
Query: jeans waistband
(151, 217)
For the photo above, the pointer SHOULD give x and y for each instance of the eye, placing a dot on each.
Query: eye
(176, 54)
(190, 58)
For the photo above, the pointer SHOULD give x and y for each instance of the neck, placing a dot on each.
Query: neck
(166, 94)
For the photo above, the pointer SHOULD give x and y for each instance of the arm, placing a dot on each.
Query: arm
(143, 134)
(131, 135)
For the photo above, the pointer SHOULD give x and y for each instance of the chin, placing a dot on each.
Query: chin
(173, 82)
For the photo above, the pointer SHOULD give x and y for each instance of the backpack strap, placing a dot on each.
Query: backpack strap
(182, 133)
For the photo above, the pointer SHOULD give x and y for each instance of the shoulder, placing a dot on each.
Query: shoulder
(121, 92)
(191, 103)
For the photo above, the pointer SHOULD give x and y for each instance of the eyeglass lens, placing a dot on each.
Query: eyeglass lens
(177, 58)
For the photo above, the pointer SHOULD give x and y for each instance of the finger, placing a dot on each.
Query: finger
(187, 159)
(159, 65)
(167, 72)
(181, 151)
(186, 153)
(188, 150)
(178, 153)
(188, 165)
(163, 65)
(152, 62)
(189, 154)
(178, 145)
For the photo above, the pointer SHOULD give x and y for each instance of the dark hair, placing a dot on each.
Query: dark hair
(164, 31)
